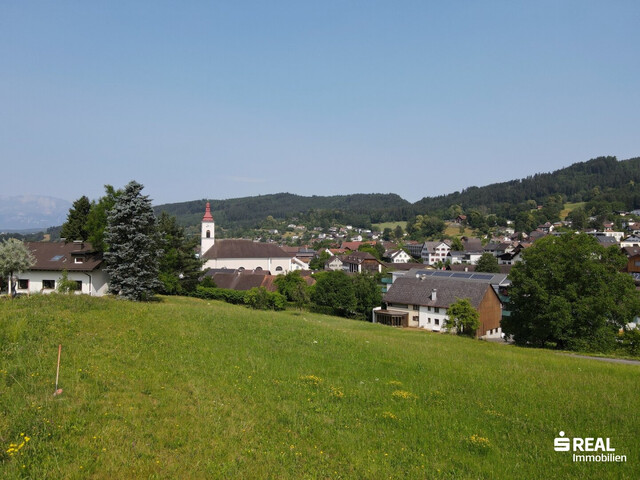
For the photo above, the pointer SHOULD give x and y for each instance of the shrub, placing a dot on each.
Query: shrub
(65, 285)
(631, 341)
(260, 298)
(230, 296)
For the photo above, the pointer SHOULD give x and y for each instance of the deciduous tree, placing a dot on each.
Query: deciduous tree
(367, 294)
(14, 257)
(179, 267)
(294, 288)
(569, 293)
(488, 263)
(463, 318)
(97, 218)
(334, 289)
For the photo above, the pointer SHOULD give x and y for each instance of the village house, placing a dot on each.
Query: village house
(631, 241)
(398, 256)
(333, 263)
(511, 257)
(423, 300)
(633, 259)
(82, 264)
(360, 262)
(434, 252)
(414, 248)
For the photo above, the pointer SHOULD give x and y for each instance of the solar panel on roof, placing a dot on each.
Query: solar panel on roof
(482, 277)
(441, 273)
(461, 275)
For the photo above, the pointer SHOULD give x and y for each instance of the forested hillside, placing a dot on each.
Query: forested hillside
(358, 209)
(603, 179)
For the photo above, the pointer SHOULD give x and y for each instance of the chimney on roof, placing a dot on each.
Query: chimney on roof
(434, 294)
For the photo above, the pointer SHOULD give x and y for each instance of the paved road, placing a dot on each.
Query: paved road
(604, 359)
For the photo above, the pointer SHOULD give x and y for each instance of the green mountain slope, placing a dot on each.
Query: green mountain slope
(617, 180)
(251, 211)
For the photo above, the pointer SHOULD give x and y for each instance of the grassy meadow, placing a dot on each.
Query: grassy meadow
(568, 207)
(185, 388)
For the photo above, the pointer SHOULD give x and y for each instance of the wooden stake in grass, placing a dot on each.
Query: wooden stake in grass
(58, 390)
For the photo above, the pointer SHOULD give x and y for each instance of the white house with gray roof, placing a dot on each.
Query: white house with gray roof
(422, 301)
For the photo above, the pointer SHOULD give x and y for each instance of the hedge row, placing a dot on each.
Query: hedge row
(256, 298)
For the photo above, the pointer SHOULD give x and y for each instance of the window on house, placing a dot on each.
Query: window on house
(208, 234)
(416, 307)
(78, 285)
(23, 284)
(78, 260)
(278, 269)
(416, 318)
(436, 309)
(437, 321)
(49, 284)
(429, 320)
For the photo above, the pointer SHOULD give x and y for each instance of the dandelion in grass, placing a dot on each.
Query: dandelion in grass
(14, 448)
(394, 382)
(389, 415)
(336, 392)
(311, 379)
(494, 413)
(479, 443)
(404, 394)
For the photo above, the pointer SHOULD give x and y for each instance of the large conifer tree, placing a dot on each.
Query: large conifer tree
(133, 240)
(75, 228)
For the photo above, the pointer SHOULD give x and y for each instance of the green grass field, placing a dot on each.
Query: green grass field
(392, 225)
(184, 388)
(568, 207)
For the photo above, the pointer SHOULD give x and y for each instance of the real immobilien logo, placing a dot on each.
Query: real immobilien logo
(594, 449)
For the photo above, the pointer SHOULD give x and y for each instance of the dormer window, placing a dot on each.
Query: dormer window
(78, 260)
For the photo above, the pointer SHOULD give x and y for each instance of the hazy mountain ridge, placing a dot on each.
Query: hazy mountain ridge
(30, 212)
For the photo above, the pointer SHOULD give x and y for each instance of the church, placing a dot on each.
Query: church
(234, 254)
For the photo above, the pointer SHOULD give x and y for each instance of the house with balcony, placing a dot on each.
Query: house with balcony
(423, 300)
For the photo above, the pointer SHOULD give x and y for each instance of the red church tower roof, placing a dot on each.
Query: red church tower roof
(207, 214)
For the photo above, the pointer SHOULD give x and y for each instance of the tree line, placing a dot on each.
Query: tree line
(601, 180)
(143, 254)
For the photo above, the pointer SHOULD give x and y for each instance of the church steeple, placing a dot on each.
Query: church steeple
(207, 214)
(208, 231)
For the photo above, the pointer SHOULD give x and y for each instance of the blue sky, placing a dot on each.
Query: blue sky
(229, 99)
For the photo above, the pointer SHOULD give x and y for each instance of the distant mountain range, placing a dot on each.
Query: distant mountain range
(27, 213)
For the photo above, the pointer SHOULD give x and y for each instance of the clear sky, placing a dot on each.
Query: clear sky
(228, 99)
